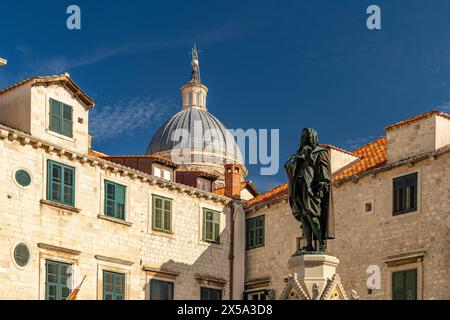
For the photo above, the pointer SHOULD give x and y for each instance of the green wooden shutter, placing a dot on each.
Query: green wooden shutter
(113, 286)
(60, 183)
(55, 115)
(114, 200)
(167, 215)
(120, 202)
(57, 284)
(162, 214)
(161, 290)
(61, 118)
(398, 286)
(110, 192)
(157, 213)
(66, 122)
(404, 285)
(216, 229)
(411, 284)
(211, 226)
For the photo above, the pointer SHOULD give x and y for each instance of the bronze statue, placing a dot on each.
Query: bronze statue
(310, 190)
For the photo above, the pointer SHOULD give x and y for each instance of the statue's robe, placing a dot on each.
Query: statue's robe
(307, 171)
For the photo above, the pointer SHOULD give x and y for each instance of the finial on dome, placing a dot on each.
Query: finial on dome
(195, 76)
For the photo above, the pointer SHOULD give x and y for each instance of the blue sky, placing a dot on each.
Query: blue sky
(268, 64)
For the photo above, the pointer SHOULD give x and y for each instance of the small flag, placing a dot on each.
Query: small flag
(73, 295)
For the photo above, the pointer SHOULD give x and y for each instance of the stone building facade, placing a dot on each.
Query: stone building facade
(147, 227)
(56, 227)
(386, 225)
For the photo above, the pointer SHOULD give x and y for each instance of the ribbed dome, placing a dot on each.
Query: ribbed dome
(205, 132)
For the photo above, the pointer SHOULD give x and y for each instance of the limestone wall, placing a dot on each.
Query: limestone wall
(92, 243)
(271, 260)
(417, 240)
(40, 122)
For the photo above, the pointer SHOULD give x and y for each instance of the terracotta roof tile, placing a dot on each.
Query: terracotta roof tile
(371, 156)
(58, 78)
(275, 193)
(94, 153)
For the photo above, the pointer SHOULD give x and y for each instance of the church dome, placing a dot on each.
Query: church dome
(193, 129)
(193, 138)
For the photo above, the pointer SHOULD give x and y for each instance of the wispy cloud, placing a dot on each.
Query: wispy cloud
(358, 142)
(126, 117)
(58, 64)
(445, 107)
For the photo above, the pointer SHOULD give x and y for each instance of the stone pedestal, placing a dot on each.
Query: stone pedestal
(314, 272)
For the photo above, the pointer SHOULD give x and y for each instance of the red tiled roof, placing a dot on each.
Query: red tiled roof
(94, 153)
(275, 193)
(418, 117)
(58, 78)
(371, 156)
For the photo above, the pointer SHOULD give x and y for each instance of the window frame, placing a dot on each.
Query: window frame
(50, 182)
(113, 293)
(58, 284)
(209, 290)
(117, 186)
(215, 234)
(171, 286)
(163, 221)
(404, 284)
(62, 121)
(254, 229)
(395, 190)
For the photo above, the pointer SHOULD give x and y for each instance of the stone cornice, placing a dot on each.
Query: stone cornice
(9, 134)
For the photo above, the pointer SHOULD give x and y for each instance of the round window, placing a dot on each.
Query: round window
(23, 178)
(21, 255)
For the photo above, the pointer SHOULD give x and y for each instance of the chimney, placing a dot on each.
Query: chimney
(233, 178)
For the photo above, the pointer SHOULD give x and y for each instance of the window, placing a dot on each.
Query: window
(61, 183)
(405, 194)
(61, 118)
(255, 232)
(210, 294)
(113, 286)
(369, 207)
(204, 184)
(191, 98)
(57, 280)
(161, 290)
(23, 178)
(257, 295)
(114, 200)
(404, 285)
(199, 99)
(211, 226)
(162, 172)
(162, 214)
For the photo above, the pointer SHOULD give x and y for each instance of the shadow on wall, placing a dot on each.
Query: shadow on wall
(211, 269)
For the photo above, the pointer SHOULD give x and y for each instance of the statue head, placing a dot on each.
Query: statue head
(309, 137)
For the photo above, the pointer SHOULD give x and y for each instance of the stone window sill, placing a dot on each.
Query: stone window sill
(59, 206)
(115, 220)
(162, 233)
